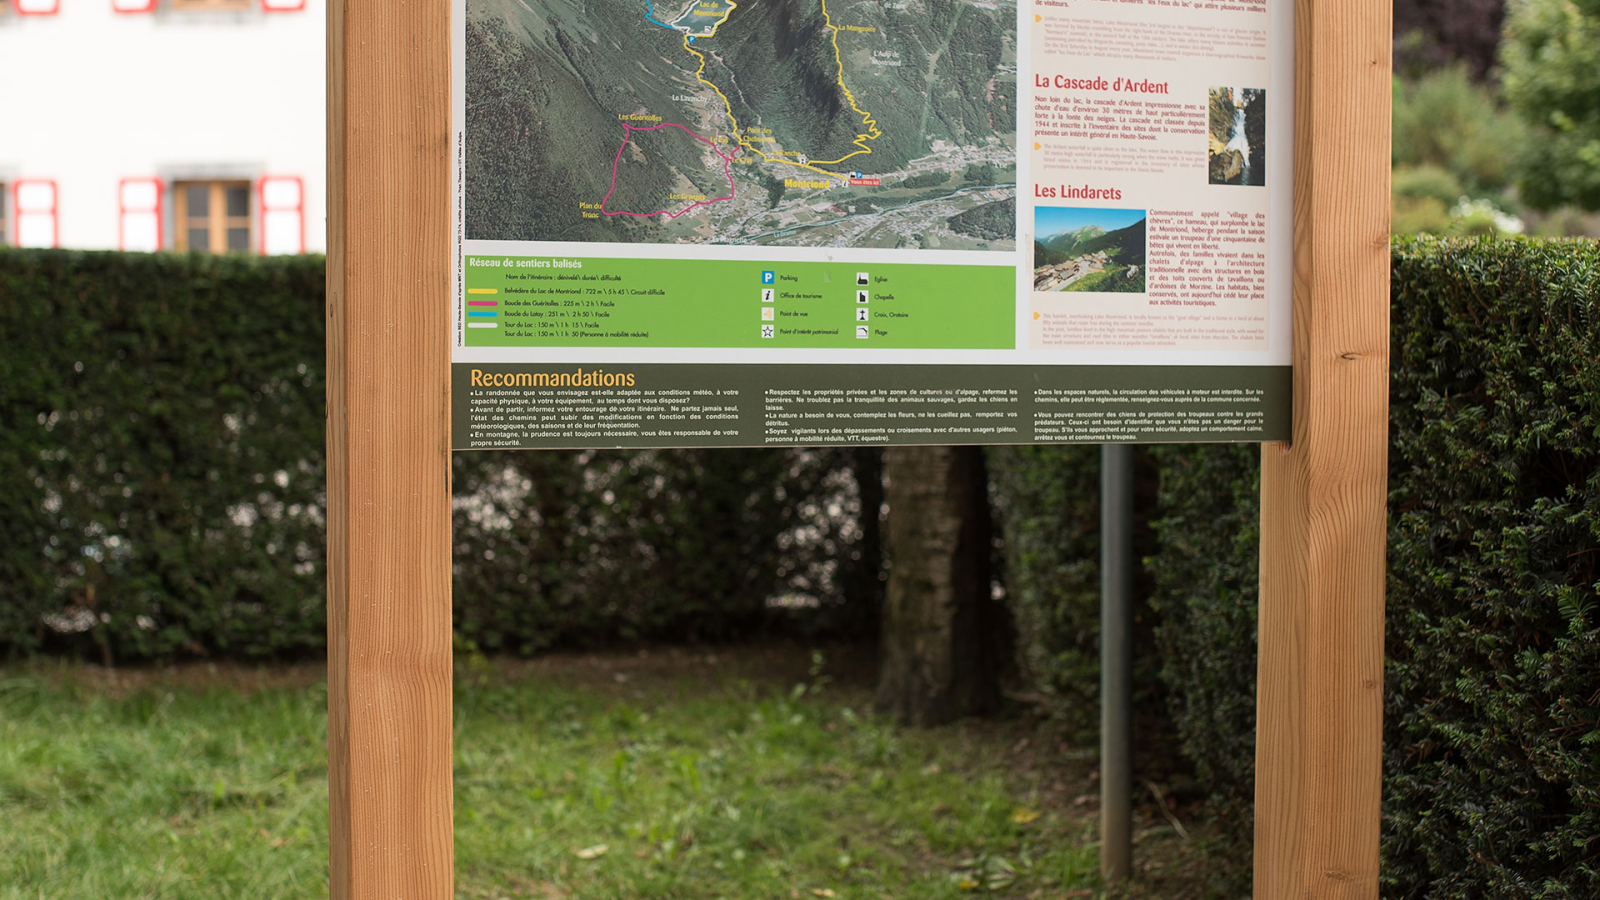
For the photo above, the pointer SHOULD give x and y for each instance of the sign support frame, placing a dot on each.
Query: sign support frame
(390, 719)
(1116, 661)
(1319, 700)
(1324, 496)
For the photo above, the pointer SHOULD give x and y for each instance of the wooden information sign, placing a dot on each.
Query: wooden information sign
(396, 260)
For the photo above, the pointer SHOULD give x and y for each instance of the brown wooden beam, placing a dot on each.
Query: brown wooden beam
(1319, 736)
(389, 699)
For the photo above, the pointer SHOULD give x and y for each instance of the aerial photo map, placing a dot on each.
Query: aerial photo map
(801, 123)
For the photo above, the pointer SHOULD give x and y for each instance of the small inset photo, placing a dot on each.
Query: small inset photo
(1082, 249)
(1238, 136)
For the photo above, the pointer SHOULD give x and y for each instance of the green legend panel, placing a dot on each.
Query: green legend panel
(516, 301)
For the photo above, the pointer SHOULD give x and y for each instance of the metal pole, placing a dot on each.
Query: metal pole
(1116, 660)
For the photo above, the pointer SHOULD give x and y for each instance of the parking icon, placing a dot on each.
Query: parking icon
(768, 277)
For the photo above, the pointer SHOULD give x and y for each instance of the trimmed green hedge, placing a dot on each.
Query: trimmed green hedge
(1207, 577)
(1046, 503)
(160, 494)
(1492, 703)
(161, 471)
(594, 547)
(1047, 512)
(1492, 700)
(161, 488)
(1492, 713)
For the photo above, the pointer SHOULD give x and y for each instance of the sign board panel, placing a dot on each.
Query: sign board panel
(780, 222)
(390, 339)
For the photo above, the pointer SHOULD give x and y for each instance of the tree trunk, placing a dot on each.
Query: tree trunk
(864, 581)
(943, 632)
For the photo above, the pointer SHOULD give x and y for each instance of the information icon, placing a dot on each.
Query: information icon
(768, 295)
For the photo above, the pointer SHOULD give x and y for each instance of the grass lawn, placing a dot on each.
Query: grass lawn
(754, 773)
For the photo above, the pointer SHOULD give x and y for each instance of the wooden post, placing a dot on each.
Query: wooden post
(1319, 735)
(389, 700)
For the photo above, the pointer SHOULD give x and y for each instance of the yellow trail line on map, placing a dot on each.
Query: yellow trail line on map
(866, 117)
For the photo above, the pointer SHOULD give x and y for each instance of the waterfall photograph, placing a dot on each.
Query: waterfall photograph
(1238, 136)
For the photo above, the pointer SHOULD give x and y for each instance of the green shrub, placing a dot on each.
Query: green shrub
(1422, 197)
(1419, 215)
(161, 465)
(1047, 509)
(1206, 573)
(594, 547)
(161, 488)
(1427, 182)
(1492, 714)
(1551, 57)
(1445, 119)
(1492, 702)
(1492, 718)
(1047, 506)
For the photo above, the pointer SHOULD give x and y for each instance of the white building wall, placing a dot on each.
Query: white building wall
(92, 96)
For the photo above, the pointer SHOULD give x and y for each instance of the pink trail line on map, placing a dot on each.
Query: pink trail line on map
(727, 170)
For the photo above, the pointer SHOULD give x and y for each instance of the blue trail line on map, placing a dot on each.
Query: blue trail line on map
(650, 16)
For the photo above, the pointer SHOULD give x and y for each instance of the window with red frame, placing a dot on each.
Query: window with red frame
(210, 4)
(283, 214)
(149, 6)
(33, 213)
(139, 215)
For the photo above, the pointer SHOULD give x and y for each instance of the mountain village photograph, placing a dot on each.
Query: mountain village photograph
(1082, 250)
